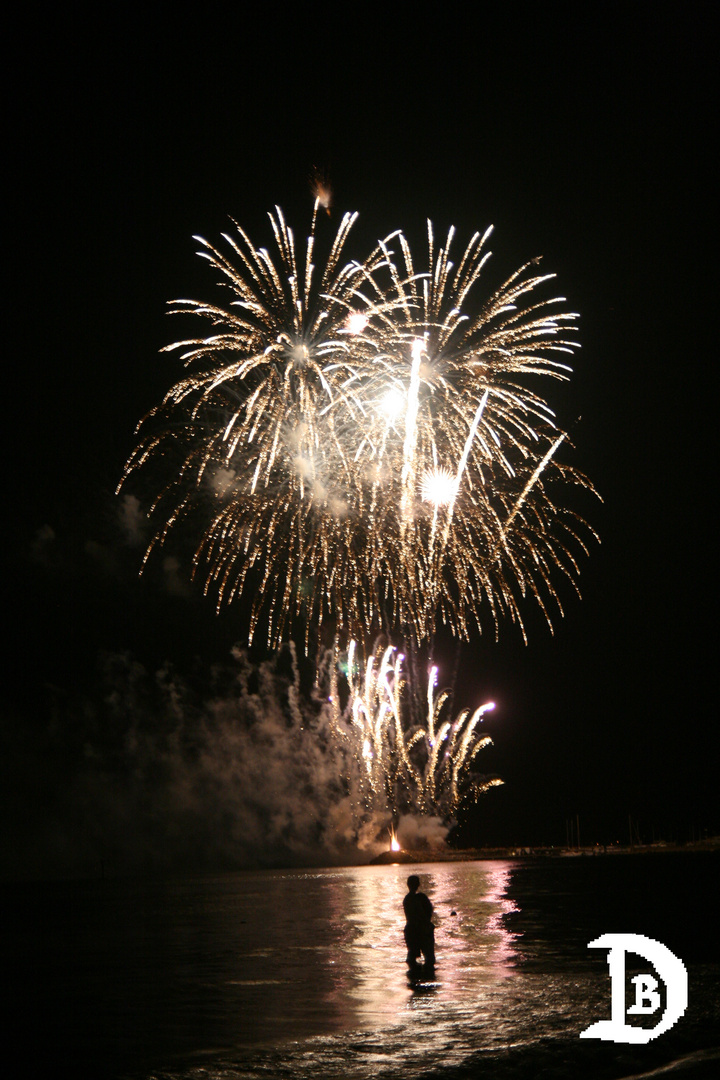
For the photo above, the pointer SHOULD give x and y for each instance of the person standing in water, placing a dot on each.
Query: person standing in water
(419, 930)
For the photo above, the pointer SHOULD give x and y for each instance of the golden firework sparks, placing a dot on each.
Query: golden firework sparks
(363, 440)
(427, 766)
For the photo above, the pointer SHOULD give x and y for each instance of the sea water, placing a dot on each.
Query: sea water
(301, 973)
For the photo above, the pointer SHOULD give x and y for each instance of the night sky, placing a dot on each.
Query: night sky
(582, 139)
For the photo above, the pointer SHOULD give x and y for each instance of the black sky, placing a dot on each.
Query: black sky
(582, 137)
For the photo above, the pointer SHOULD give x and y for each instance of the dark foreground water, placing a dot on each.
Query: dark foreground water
(302, 974)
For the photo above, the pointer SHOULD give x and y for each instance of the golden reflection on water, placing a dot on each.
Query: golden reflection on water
(474, 950)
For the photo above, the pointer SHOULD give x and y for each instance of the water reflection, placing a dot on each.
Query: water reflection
(474, 949)
(302, 973)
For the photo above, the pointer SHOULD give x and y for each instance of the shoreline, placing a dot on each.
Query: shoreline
(109, 874)
(389, 858)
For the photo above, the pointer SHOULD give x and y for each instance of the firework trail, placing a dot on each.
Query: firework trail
(424, 767)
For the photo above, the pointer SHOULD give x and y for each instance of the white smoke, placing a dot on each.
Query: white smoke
(226, 768)
(174, 582)
(132, 520)
(417, 832)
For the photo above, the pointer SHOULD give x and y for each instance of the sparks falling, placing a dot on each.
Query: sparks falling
(362, 440)
(428, 767)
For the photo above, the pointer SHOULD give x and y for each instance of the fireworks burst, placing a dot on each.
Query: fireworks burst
(425, 767)
(255, 426)
(360, 441)
(363, 442)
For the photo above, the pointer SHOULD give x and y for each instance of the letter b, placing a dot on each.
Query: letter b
(645, 990)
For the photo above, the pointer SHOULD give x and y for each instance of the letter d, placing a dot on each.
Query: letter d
(671, 970)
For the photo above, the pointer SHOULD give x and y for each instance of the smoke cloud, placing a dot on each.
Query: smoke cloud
(226, 768)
